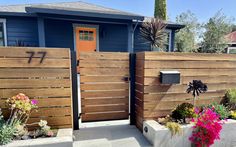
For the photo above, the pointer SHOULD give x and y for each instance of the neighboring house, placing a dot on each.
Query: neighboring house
(79, 26)
(231, 39)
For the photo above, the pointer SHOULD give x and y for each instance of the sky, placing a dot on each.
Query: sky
(203, 9)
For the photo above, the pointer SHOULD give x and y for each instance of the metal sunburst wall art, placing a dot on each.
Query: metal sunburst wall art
(196, 87)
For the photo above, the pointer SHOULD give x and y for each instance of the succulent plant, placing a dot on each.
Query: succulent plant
(183, 111)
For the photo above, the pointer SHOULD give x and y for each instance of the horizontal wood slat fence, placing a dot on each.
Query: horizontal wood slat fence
(49, 82)
(153, 99)
(104, 85)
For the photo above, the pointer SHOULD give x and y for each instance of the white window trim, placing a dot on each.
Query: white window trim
(4, 30)
(170, 37)
(230, 48)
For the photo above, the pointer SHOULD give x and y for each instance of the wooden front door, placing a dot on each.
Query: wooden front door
(86, 41)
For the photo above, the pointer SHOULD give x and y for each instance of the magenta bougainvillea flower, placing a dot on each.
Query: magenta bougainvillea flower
(34, 102)
(206, 129)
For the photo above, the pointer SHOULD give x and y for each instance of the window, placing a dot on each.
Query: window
(3, 38)
(86, 35)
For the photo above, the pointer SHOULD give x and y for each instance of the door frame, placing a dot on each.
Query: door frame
(75, 25)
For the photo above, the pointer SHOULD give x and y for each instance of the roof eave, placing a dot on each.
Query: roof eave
(82, 13)
(16, 14)
(175, 26)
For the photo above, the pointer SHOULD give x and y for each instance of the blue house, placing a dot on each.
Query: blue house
(75, 25)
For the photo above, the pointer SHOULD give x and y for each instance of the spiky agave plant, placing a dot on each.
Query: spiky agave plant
(153, 31)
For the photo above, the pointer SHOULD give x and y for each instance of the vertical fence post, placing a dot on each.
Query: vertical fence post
(132, 65)
(74, 90)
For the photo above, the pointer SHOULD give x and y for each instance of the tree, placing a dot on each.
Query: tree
(160, 9)
(186, 39)
(153, 31)
(233, 28)
(215, 29)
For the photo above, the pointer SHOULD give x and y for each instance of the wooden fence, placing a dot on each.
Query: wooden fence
(153, 99)
(104, 86)
(43, 74)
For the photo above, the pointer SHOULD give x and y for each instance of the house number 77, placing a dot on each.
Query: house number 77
(43, 54)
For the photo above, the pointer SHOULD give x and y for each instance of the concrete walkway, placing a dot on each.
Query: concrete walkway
(110, 136)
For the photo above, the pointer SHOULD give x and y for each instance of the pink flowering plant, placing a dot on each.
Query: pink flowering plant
(21, 107)
(207, 127)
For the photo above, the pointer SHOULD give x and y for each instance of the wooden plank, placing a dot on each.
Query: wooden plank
(107, 86)
(35, 63)
(164, 105)
(188, 56)
(165, 64)
(103, 79)
(21, 52)
(104, 55)
(103, 63)
(105, 108)
(104, 71)
(104, 101)
(182, 88)
(46, 112)
(46, 102)
(193, 72)
(28, 83)
(53, 121)
(186, 79)
(105, 116)
(152, 80)
(180, 96)
(37, 93)
(122, 93)
(210, 79)
(31, 72)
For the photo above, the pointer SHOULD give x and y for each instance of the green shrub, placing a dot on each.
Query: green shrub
(1, 118)
(230, 99)
(6, 134)
(220, 109)
(231, 95)
(185, 110)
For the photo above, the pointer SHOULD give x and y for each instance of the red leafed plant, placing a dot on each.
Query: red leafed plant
(206, 129)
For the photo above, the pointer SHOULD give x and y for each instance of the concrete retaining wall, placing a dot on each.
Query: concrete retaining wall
(160, 136)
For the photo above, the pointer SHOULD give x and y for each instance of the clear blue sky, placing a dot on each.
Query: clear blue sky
(202, 8)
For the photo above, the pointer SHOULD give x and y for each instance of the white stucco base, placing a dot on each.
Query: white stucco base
(160, 136)
(63, 139)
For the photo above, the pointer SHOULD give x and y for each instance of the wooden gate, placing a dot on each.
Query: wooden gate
(104, 86)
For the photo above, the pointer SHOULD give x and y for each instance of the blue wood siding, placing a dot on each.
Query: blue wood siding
(112, 37)
(58, 34)
(139, 43)
(24, 29)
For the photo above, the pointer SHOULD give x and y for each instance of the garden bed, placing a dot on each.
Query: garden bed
(160, 136)
(63, 139)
